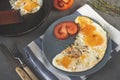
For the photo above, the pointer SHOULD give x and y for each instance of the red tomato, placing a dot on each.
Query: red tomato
(63, 4)
(61, 32)
(72, 28)
(65, 29)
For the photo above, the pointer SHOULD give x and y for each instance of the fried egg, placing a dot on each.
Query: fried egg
(26, 6)
(87, 50)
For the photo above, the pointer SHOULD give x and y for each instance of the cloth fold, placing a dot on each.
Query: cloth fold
(36, 58)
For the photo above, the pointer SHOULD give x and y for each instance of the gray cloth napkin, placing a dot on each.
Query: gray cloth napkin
(44, 69)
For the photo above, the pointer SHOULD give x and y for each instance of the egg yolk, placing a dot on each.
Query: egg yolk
(30, 6)
(91, 37)
(83, 21)
(18, 4)
(65, 61)
(94, 40)
(28, 1)
(88, 29)
(83, 56)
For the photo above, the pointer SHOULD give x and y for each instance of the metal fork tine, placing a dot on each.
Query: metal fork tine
(15, 53)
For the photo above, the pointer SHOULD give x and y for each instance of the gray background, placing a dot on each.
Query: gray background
(111, 71)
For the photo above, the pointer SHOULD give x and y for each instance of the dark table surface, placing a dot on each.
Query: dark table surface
(111, 71)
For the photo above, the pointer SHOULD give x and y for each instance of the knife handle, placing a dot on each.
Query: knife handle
(30, 73)
(22, 74)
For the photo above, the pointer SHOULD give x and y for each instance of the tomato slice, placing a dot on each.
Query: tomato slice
(65, 29)
(60, 32)
(72, 28)
(63, 4)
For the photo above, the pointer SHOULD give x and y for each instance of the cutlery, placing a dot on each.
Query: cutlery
(18, 55)
(23, 75)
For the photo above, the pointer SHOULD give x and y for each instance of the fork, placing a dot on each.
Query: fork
(23, 75)
(18, 55)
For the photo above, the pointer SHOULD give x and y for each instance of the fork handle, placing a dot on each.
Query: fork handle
(22, 74)
(30, 73)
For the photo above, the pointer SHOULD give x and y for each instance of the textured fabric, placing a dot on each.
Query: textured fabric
(36, 58)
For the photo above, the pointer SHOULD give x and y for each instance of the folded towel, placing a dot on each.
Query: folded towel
(43, 68)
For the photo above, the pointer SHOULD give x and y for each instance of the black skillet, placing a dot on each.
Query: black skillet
(30, 21)
(52, 46)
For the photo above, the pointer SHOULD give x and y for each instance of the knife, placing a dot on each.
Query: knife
(23, 75)
(18, 55)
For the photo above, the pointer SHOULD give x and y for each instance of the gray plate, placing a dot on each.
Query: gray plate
(52, 46)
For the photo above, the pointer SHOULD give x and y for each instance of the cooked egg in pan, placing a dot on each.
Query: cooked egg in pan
(26, 6)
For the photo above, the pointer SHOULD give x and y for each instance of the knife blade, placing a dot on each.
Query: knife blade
(23, 75)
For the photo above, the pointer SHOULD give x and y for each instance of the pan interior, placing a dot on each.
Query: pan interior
(30, 21)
